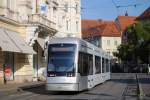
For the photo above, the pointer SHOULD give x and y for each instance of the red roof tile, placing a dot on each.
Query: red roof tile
(125, 21)
(145, 14)
(110, 29)
(90, 23)
(99, 28)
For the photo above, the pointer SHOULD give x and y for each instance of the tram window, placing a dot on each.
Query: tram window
(81, 64)
(98, 64)
(107, 65)
(103, 65)
(85, 64)
(90, 64)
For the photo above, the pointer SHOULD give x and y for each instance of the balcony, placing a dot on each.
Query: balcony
(41, 20)
(8, 13)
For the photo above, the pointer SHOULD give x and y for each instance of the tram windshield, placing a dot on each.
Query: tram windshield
(61, 57)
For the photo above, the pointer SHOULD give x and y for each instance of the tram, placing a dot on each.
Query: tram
(75, 65)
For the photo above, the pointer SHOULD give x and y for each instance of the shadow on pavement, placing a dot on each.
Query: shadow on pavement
(125, 81)
(43, 91)
(100, 94)
(144, 80)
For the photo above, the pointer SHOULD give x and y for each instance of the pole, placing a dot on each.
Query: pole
(36, 9)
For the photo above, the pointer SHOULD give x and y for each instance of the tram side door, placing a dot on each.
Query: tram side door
(90, 68)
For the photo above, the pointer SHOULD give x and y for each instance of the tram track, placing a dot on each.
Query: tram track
(131, 91)
(122, 86)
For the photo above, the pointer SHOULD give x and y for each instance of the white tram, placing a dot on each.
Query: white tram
(75, 65)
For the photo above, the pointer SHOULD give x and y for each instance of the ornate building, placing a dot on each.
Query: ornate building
(34, 22)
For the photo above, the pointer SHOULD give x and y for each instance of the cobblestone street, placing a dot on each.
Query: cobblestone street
(120, 87)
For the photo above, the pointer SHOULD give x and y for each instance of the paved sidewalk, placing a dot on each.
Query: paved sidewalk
(14, 88)
(144, 81)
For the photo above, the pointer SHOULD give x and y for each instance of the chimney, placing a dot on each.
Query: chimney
(126, 14)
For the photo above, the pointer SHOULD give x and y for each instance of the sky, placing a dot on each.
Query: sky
(107, 10)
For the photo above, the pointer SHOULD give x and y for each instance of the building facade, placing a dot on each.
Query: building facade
(103, 34)
(34, 23)
(69, 18)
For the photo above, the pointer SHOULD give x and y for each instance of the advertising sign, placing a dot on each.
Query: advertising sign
(42, 8)
(7, 72)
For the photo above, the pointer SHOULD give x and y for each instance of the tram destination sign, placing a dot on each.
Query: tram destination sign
(62, 49)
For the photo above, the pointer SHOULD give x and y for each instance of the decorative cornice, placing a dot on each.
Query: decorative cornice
(27, 5)
(9, 21)
(18, 24)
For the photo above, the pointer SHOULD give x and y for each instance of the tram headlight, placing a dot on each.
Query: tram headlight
(50, 74)
(70, 74)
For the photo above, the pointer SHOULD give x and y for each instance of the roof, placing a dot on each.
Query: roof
(99, 28)
(110, 29)
(145, 14)
(90, 23)
(125, 21)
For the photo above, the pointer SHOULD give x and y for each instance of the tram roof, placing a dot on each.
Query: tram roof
(76, 41)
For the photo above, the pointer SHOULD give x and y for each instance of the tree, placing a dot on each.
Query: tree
(137, 46)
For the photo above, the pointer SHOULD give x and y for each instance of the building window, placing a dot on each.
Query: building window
(9, 4)
(108, 42)
(67, 25)
(66, 7)
(76, 8)
(77, 26)
(54, 9)
(115, 43)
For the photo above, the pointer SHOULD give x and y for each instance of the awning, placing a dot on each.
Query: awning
(41, 42)
(11, 41)
(6, 44)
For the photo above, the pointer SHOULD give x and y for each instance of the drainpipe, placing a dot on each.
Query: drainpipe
(36, 9)
(4, 74)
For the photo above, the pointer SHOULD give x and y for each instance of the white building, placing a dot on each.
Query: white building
(103, 34)
(68, 18)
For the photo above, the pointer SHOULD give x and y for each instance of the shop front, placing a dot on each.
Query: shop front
(15, 57)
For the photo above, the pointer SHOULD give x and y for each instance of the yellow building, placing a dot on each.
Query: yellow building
(22, 36)
(15, 54)
(34, 23)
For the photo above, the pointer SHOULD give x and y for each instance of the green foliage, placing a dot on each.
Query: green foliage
(137, 47)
